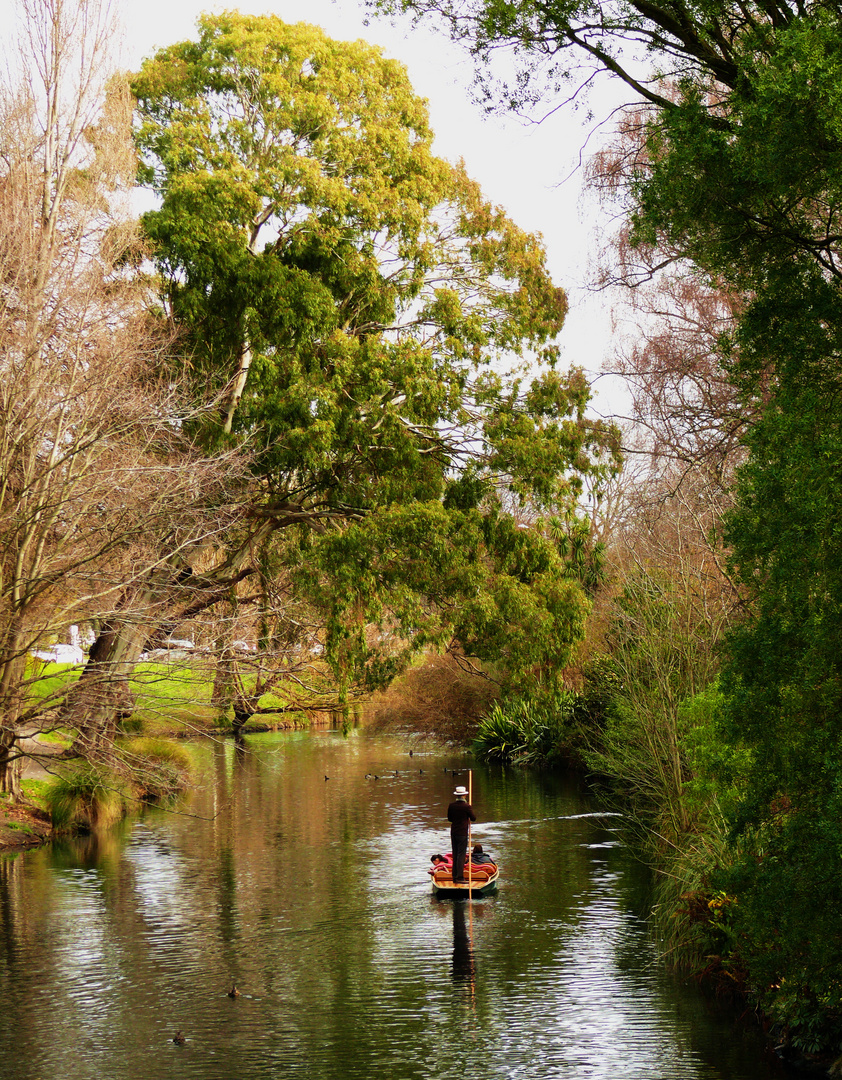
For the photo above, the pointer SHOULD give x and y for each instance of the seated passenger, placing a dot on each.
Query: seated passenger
(478, 856)
(440, 862)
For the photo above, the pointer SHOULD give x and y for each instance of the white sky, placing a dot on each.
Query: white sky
(529, 169)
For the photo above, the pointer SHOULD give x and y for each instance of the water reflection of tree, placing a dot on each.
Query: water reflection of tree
(463, 969)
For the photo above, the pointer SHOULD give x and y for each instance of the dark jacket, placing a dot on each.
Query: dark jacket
(458, 814)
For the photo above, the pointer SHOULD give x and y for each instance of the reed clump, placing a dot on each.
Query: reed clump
(86, 797)
(89, 796)
(538, 729)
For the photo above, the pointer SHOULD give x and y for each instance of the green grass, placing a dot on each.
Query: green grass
(51, 680)
(58, 737)
(34, 791)
(86, 797)
(171, 699)
(158, 686)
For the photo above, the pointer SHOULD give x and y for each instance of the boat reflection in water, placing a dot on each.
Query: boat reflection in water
(463, 969)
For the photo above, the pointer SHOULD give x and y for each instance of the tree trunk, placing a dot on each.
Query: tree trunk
(11, 766)
(222, 695)
(224, 690)
(243, 365)
(12, 678)
(102, 696)
(241, 718)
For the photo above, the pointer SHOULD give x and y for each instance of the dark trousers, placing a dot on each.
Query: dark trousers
(459, 847)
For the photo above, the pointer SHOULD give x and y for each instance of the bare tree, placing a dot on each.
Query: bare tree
(675, 346)
(95, 466)
(672, 596)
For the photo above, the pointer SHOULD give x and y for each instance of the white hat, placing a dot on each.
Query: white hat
(461, 791)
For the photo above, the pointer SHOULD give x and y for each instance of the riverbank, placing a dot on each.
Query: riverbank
(22, 827)
(25, 825)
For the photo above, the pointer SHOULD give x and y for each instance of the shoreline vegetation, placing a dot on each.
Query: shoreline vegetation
(646, 733)
(677, 784)
(62, 794)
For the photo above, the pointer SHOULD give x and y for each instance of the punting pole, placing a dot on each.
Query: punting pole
(470, 881)
(470, 846)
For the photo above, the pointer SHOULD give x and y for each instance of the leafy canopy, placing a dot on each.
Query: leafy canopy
(356, 302)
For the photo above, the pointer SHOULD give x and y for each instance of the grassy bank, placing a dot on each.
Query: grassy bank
(173, 701)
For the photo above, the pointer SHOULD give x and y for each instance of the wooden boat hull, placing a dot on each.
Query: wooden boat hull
(482, 884)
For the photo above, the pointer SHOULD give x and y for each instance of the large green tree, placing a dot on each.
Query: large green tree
(742, 110)
(368, 321)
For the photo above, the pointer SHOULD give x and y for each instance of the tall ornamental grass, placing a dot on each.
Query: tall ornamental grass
(86, 797)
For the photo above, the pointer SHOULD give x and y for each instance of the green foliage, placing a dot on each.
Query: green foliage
(505, 593)
(660, 761)
(640, 702)
(366, 299)
(738, 187)
(786, 881)
(304, 218)
(500, 736)
(533, 730)
(747, 189)
(783, 679)
(717, 766)
(739, 172)
(90, 796)
(774, 168)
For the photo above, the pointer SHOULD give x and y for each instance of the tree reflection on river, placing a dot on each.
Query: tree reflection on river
(300, 877)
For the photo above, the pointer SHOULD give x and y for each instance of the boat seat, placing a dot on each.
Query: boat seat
(478, 873)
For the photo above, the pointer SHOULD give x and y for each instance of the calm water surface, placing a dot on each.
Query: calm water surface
(312, 895)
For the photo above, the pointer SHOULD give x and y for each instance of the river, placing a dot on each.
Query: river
(298, 871)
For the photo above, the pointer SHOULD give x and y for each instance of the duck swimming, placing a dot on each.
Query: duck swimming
(233, 992)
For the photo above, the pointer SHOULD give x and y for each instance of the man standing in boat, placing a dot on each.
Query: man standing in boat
(459, 813)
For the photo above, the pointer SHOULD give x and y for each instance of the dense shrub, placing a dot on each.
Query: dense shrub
(437, 698)
(538, 729)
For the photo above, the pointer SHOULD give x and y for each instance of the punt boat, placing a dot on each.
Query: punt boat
(483, 880)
